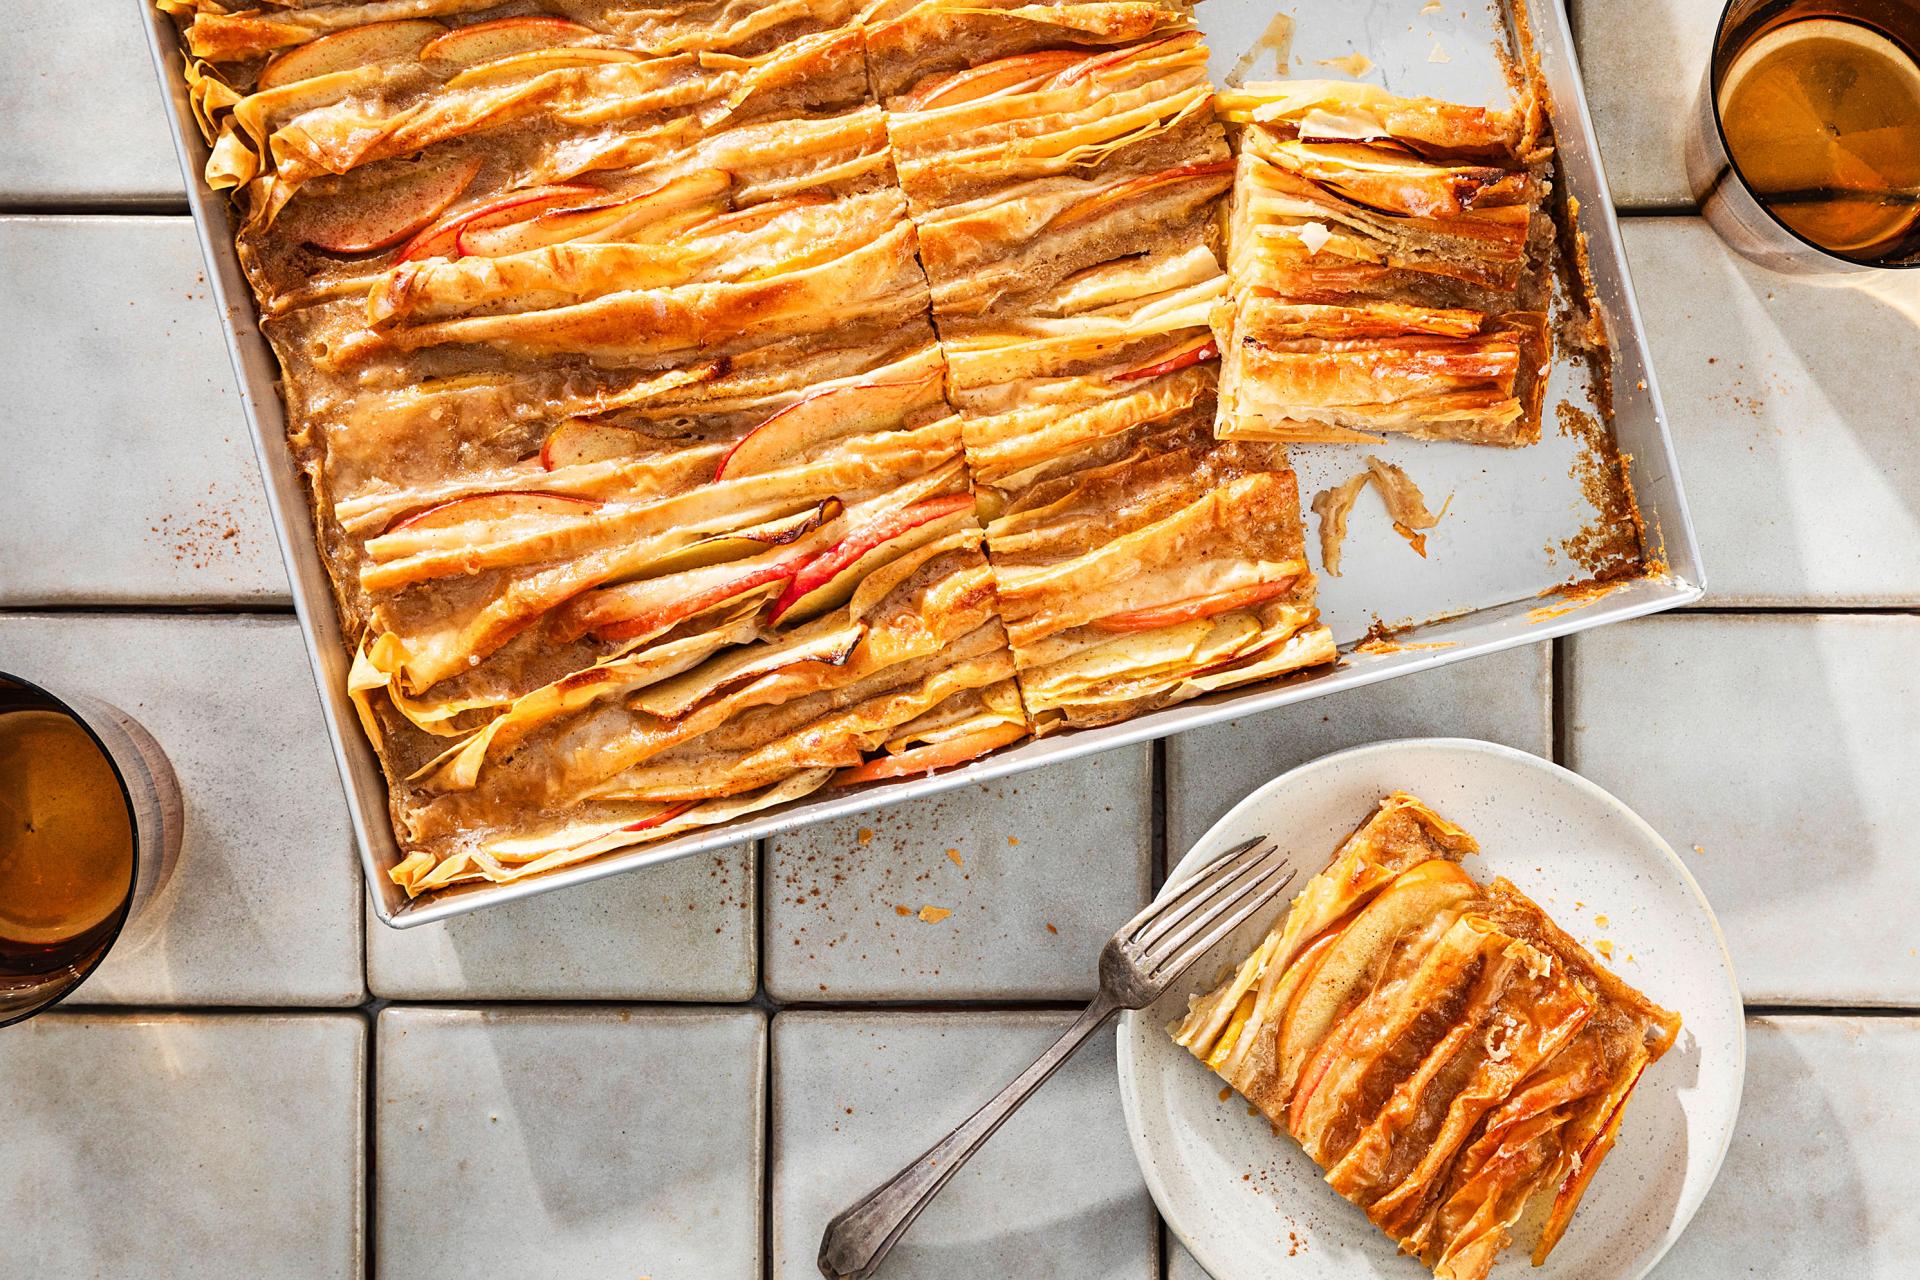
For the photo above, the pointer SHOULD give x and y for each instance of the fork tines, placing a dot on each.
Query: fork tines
(1220, 897)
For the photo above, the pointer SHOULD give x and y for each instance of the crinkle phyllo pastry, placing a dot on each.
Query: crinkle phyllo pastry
(1389, 260)
(1448, 1056)
(1025, 169)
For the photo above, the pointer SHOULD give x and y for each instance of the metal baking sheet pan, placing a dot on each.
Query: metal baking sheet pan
(1487, 583)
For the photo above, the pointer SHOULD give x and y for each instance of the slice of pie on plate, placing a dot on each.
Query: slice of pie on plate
(1456, 1063)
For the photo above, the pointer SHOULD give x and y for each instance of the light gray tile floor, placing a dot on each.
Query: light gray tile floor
(175, 1146)
(578, 1142)
(129, 476)
(1004, 891)
(683, 931)
(85, 116)
(1055, 1194)
(1779, 754)
(1796, 447)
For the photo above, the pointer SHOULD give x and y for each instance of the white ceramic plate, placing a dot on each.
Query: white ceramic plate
(1246, 1203)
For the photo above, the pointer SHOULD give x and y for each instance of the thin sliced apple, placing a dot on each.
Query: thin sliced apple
(829, 578)
(753, 217)
(1168, 615)
(657, 617)
(1124, 192)
(745, 542)
(520, 66)
(661, 818)
(1414, 900)
(937, 755)
(1120, 55)
(830, 413)
(600, 222)
(378, 214)
(990, 78)
(470, 46)
(577, 441)
(442, 239)
(354, 47)
(509, 505)
(1198, 353)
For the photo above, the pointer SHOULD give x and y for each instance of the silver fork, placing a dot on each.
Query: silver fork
(1138, 963)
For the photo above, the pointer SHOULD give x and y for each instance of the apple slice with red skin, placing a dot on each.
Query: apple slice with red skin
(537, 62)
(442, 239)
(753, 217)
(1168, 615)
(1120, 193)
(578, 441)
(364, 225)
(487, 41)
(821, 571)
(506, 505)
(737, 546)
(937, 755)
(599, 222)
(700, 601)
(827, 414)
(1310, 1038)
(661, 818)
(1092, 65)
(990, 78)
(1199, 353)
(344, 50)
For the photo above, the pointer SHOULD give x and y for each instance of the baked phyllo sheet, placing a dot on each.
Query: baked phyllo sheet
(1390, 260)
(1449, 1056)
(1062, 166)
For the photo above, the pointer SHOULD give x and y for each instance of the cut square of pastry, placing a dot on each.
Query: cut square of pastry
(1390, 261)
(1453, 1060)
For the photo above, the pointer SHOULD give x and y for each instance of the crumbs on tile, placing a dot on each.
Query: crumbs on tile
(865, 835)
(933, 915)
(958, 861)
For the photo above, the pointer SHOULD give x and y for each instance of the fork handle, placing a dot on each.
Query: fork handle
(859, 1238)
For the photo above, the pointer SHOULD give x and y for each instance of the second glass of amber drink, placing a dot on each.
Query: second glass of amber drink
(90, 822)
(1806, 152)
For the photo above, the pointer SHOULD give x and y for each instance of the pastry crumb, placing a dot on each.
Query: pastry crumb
(958, 861)
(1354, 64)
(933, 915)
(1333, 506)
(865, 835)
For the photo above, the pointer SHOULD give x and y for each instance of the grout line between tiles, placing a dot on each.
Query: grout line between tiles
(371, 1186)
(1559, 681)
(262, 609)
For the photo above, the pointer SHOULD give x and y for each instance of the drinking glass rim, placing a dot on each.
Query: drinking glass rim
(133, 867)
(1733, 163)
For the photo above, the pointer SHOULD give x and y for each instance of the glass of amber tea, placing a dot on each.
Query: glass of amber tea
(1806, 152)
(90, 822)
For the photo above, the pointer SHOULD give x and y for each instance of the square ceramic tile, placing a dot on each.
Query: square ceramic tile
(1503, 697)
(1819, 1179)
(602, 1142)
(681, 931)
(183, 1146)
(1005, 890)
(1779, 754)
(1180, 1263)
(1791, 418)
(86, 118)
(264, 904)
(1055, 1193)
(1643, 63)
(129, 476)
